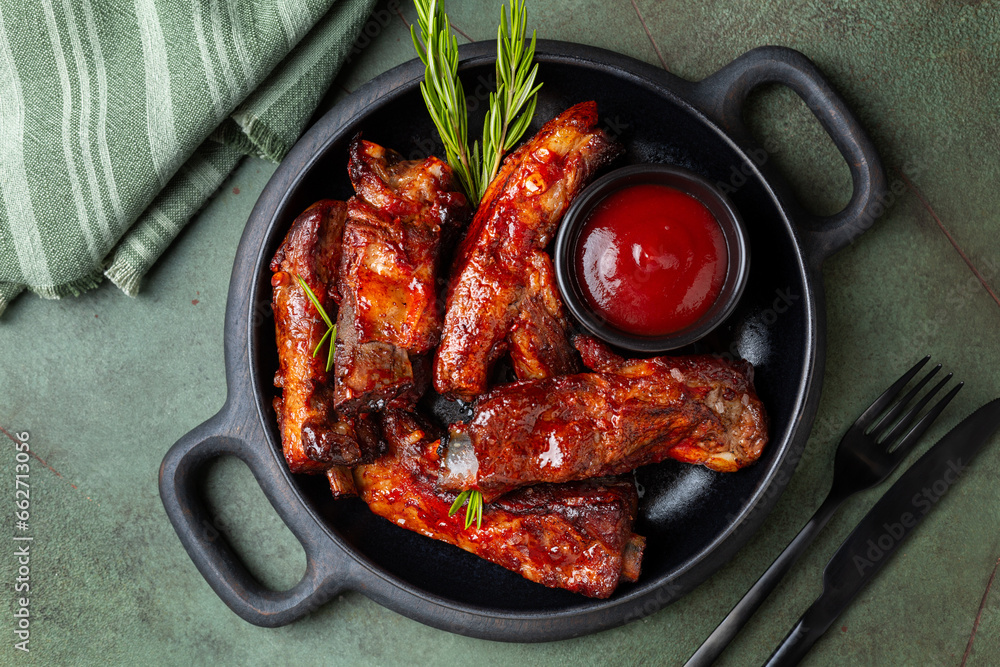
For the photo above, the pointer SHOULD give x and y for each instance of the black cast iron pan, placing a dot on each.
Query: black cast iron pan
(695, 519)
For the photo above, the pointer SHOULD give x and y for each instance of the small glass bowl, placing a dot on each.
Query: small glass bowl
(737, 247)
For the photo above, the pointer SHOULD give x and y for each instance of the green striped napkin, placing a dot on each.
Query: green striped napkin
(120, 118)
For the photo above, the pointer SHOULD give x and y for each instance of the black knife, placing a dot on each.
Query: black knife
(885, 527)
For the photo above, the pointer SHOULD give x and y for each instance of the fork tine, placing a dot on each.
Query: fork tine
(897, 430)
(883, 401)
(897, 409)
(918, 430)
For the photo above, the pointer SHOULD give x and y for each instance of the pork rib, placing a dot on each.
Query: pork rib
(576, 536)
(499, 278)
(624, 414)
(313, 437)
(397, 222)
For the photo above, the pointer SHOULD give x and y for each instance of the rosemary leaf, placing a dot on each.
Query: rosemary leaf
(331, 328)
(511, 107)
(319, 345)
(459, 501)
(473, 510)
(442, 91)
(333, 339)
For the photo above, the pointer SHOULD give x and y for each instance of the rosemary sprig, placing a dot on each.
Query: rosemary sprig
(511, 107)
(331, 330)
(473, 511)
(442, 90)
(516, 92)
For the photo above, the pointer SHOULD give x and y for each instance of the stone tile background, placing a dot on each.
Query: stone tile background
(104, 384)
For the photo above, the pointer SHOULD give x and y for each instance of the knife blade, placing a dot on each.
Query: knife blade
(886, 525)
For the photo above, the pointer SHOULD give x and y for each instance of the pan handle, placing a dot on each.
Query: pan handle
(180, 475)
(723, 95)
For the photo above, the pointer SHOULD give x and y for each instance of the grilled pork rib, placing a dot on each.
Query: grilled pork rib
(313, 437)
(576, 536)
(502, 297)
(626, 413)
(401, 215)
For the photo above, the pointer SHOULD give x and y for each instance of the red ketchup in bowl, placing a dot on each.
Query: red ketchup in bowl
(651, 259)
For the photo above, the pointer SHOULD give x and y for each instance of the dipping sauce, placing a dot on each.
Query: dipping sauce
(651, 259)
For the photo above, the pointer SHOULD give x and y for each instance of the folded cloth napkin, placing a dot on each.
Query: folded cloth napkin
(120, 118)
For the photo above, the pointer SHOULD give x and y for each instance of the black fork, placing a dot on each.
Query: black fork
(868, 453)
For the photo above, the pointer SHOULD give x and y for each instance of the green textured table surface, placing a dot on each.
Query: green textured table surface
(105, 384)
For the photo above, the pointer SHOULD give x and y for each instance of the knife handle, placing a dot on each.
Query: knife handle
(723, 635)
(817, 620)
